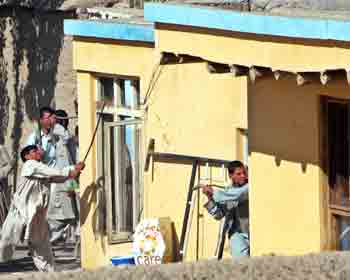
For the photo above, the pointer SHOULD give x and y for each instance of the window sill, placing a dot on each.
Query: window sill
(119, 238)
(114, 242)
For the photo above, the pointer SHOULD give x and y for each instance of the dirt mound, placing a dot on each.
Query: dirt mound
(313, 266)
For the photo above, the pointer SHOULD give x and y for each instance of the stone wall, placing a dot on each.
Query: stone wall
(35, 70)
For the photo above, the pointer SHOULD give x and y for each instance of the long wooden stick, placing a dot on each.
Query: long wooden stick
(95, 132)
(210, 185)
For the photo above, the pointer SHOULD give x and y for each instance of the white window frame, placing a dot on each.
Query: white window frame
(104, 157)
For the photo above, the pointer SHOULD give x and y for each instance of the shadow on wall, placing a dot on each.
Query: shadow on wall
(38, 40)
(285, 121)
(28, 71)
(4, 100)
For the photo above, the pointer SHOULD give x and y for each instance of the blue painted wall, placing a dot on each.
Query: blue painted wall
(109, 30)
(310, 28)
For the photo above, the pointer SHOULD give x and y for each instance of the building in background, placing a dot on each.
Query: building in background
(205, 82)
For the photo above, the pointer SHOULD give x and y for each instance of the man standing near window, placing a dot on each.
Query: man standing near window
(62, 212)
(232, 203)
(43, 136)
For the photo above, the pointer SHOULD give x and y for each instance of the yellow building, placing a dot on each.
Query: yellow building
(197, 80)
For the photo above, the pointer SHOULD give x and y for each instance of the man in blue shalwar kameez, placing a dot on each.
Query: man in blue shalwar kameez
(232, 204)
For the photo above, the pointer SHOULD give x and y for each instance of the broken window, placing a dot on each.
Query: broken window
(119, 154)
(343, 230)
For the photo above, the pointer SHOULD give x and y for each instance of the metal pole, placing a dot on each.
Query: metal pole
(198, 217)
(187, 209)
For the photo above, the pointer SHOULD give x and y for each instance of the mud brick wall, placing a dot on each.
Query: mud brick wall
(35, 70)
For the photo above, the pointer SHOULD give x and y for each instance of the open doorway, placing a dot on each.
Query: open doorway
(336, 136)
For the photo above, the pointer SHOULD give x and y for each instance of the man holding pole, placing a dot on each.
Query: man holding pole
(52, 138)
(27, 218)
(232, 204)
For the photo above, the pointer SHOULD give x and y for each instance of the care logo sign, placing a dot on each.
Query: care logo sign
(148, 245)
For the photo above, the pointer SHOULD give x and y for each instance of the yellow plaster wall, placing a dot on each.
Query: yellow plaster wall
(287, 197)
(109, 58)
(288, 212)
(90, 59)
(279, 54)
(95, 251)
(194, 113)
(190, 112)
(86, 97)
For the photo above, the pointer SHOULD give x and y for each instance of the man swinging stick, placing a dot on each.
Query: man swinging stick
(27, 220)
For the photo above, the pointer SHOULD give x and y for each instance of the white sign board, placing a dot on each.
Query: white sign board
(148, 245)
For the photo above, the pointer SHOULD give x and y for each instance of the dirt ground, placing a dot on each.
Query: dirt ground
(22, 265)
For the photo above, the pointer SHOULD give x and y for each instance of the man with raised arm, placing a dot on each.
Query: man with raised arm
(232, 204)
(27, 218)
